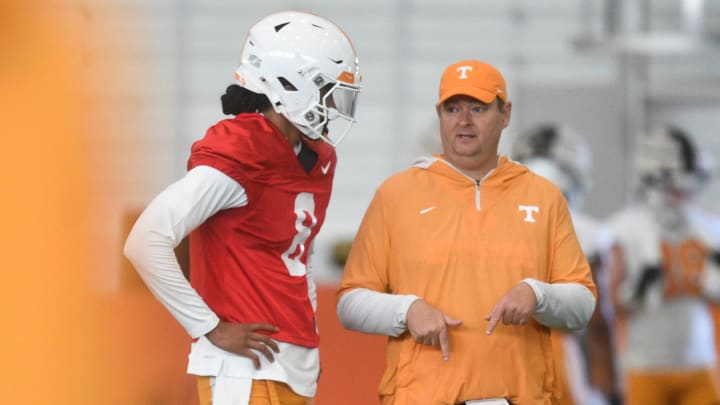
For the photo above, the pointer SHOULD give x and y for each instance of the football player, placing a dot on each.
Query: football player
(583, 359)
(667, 275)
(253, 200)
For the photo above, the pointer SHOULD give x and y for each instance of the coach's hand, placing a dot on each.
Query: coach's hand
(429, 326)
(514, 308)
(239, 338)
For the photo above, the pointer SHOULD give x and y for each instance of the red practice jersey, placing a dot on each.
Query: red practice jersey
(249, 263)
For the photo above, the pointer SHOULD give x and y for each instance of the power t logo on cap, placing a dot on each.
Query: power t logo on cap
(463, 71)
(472, 78)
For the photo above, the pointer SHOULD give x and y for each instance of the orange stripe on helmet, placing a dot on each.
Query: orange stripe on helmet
(346, 77)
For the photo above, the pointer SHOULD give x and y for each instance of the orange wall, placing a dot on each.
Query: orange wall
(352, 363)
(145, 351)
(48, 343)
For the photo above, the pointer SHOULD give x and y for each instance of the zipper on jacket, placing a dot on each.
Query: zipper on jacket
(477, 182)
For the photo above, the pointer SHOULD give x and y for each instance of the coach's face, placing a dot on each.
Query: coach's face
(470, 131)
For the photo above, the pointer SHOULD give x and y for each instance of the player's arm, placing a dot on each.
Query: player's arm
(632, 287)
(169, 217)
(636, 268)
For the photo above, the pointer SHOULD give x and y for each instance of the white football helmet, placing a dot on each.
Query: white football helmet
(307, 68)
(559, 155)
(667, 159)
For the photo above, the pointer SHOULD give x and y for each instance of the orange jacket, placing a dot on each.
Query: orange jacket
(461, 245)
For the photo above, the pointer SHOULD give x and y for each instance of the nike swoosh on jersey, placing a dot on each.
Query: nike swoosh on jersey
(426, 210)
(325, 168)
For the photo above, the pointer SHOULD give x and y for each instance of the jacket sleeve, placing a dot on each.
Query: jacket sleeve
(364, 301)
(567, 300)
(374, 312)
(562, 305)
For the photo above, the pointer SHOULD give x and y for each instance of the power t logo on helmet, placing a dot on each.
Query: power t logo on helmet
(307, 68)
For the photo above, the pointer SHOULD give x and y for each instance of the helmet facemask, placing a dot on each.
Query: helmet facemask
(333, 115)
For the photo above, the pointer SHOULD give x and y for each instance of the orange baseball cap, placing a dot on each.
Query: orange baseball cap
(472, 78)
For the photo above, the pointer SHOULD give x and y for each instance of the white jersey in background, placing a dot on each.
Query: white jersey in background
(670, 326)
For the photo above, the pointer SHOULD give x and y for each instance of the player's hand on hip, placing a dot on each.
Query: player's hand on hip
(429, 326)
(514, 308)
(240, 338)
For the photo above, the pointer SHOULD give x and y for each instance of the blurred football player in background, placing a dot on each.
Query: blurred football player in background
(667, 272)
(254, 198)
(584, 359)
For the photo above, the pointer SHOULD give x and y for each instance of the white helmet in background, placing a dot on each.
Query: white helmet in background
(307, 68)
(668, 160)
(558, 154)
